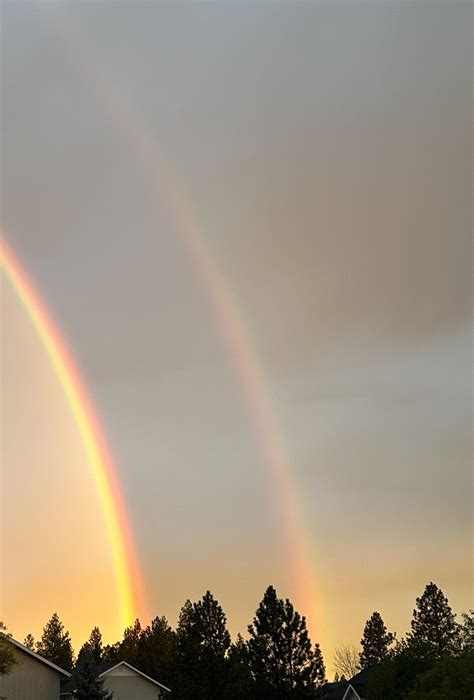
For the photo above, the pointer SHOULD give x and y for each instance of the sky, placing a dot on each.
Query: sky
(322, 151)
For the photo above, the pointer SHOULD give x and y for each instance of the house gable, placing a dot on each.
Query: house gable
(128, 683)
(32, 678)
(351, 694)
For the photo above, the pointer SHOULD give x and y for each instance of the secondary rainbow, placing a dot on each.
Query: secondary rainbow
(127, 574)
(164, 193)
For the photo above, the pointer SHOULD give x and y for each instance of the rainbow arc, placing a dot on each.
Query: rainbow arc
(130, 589)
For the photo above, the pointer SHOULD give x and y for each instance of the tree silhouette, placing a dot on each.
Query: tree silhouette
(375, 642)
(87, 684)
(282, 660)
(240, 684)
(129, 649)
(467, 632)
(346, 661)
(93, 647)
(433, 627)
(55, 644)
(156, 648)
(202, 642)
(29, 642)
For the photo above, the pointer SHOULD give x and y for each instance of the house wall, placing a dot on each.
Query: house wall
(30, 680)
(128, 685)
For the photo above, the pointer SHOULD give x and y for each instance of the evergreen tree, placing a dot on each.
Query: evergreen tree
(467, 632)
(93, 646)
(433, 627)
(202, 641)
(87, 684)
(451, 678)
(129, 649)
(29, 642)
(397, 674)
(156, 649)
(375, 642)
(282, 660)
(111, 652)
(55, 644)
(240, 683)
(187, 664)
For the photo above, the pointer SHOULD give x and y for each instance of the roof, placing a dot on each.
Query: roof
(359, 682)
(68, 687)
(351, 687)
(36, 656)
(124, 663)
(333, 691)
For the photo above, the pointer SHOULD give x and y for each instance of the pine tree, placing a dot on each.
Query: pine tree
(202, 642)
(111, 652)
(240, 684)
(29, 642)
(282, 659)
(186, 682)
(87, 684)
(375, 642)
(130, 644)
(433, 627)
(93, 647)
(156, 649)
(467, 632)
(55, 644)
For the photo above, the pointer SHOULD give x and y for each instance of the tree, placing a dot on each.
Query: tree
(433, 627)
(202, 642)
(55, 644)
(29, 642)
(7, 655)
(129, 646)
(396, 675)
(467, 632)
(156, 649)
(186, 667)
(240, 684)
(282, 659)
(376, 641)
(87, 684)
(451, 677)
(93, 647)
(346, 661)
(111, 652)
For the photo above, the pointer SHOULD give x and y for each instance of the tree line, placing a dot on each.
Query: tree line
(199, 661)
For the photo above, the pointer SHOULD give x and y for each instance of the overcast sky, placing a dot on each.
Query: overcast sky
(324, 150)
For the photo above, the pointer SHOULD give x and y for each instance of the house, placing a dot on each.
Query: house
(125, 681)
(357, 686)
(355, 689)
(32, 677)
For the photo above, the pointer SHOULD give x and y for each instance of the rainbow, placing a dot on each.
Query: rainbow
(127, 574)
(163, 191)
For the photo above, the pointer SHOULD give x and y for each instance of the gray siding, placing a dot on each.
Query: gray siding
(132, 688)
(30, 680)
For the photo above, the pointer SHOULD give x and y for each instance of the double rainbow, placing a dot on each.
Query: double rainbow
(297, 551)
